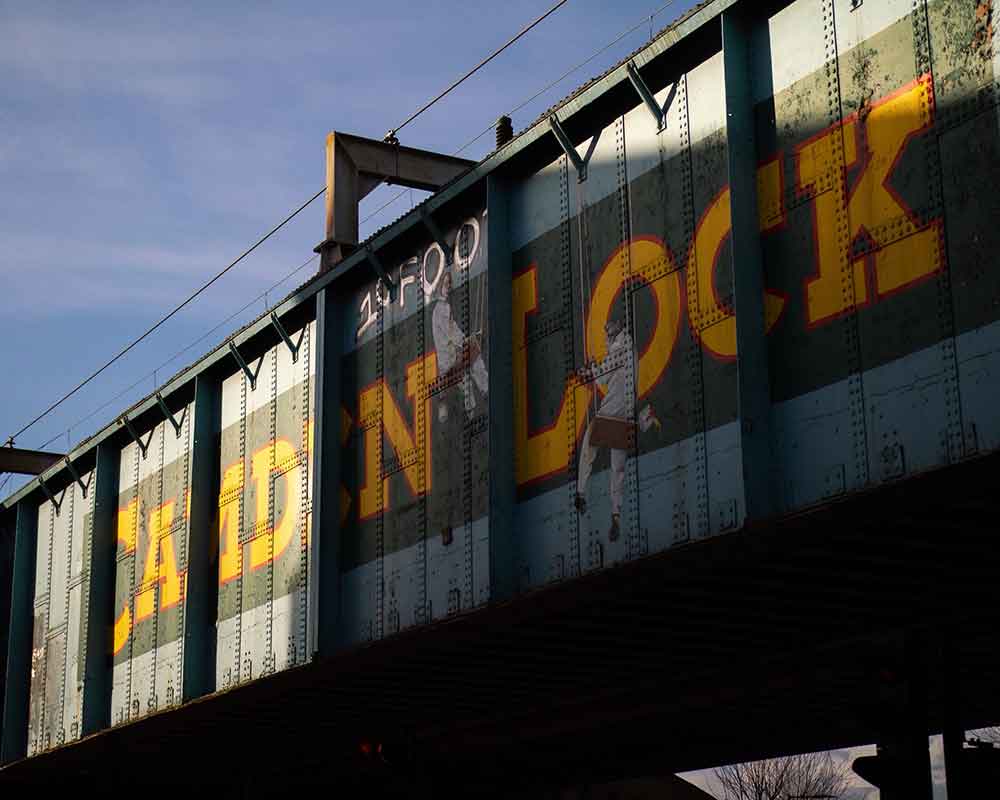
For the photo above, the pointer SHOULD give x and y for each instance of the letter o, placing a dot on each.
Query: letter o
(648, 260)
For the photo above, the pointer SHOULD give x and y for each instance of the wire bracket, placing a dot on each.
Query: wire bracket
(57, 504)
(379, 269)
(659, 113)
(436, 234)
(579, 163)
(143, 446)
(293, 347)
(76, 476)
(251, 374)
(177, 423)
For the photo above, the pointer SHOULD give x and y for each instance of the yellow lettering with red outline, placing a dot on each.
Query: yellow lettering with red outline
(546, 452)
(126, 533)
(402, 438)
(903, 252)
(161, 565)
(270, 544)
(712, 321)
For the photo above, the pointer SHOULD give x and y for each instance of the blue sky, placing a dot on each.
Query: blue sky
(144, 145)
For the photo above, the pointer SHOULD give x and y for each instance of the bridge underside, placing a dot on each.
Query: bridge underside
(816, 632)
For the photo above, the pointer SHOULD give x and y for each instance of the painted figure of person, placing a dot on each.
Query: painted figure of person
(613, 425)
(457, 352)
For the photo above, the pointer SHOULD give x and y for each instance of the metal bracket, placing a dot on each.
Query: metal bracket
(135, 436)
(379, 270)
(579, 163)
(437, 235)
(659, 114)
(76, 476)
(251, 374)
(293, 347)
(52, 498)
(170, 417)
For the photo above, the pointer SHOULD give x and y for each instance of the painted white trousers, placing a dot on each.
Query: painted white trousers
(618, 458)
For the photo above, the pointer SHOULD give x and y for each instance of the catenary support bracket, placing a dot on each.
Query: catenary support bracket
(580, 164)
(26, 462)
(355, 166)
(176, 423)
(250, 373)
(56, 504)
(293, 347)
(76, 476)
(376, 265)
(436, 234)
(135, 435)
(659, 113)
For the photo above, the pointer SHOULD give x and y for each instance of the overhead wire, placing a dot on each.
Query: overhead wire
(189, 299)
(181, 352)
(645, 18)
(303, 206)
(166, 317)
(475, 69)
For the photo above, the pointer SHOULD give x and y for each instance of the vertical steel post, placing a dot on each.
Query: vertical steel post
(101, 599)
(501, 462)
(6, 585)
(754, 400)
(953, 732)
(202, 603)
(324, 583)
(903, 744)
(17, 689)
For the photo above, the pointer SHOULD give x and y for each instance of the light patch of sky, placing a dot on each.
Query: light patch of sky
(143, 146)
(858, 788)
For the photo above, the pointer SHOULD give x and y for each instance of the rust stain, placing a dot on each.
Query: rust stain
(982, 32)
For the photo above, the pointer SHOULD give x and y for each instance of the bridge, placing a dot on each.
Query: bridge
(662, 438)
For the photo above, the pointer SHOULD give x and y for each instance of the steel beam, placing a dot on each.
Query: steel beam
(202, 577)
(14, 745)
(26, 462)
(324, 561)
(355, 166)
(101, 591)
(753, 381)
(7, 522)
(500, 345)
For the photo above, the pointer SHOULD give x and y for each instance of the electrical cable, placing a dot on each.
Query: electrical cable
(181, 352)
(292, 215)
(571, 70)
(645, 18)
(392, 133)
(165, 318)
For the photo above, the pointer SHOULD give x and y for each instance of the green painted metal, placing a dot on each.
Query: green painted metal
(101, 598)
(14, 744)
(324, 582)
(753, 379)
(203, 561)
(501, 422)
